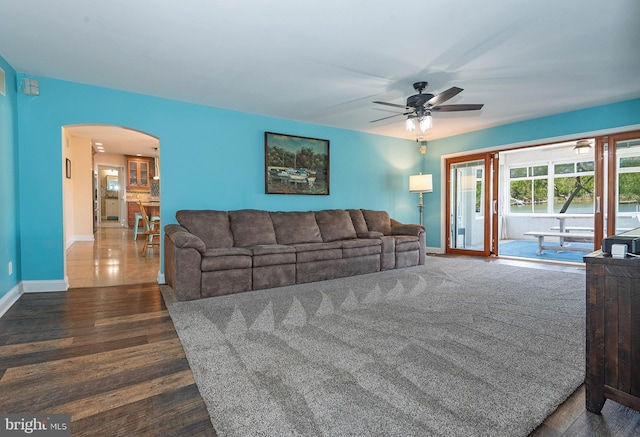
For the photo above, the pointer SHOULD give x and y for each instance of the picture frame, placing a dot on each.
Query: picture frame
(296, 165)
(68, 168)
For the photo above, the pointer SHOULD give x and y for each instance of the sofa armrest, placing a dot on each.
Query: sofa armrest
(184, 239)
(401, 229)
(182, 270)
(398, 228)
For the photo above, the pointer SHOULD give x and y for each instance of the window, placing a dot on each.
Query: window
(528, 188)
(573, 191)
(479, 193)
(629, 184)
(571, 186)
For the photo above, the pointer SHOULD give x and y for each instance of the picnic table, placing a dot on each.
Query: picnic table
(565, 234)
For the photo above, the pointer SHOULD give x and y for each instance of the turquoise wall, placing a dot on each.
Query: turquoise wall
(9, 208)
(210, 158)
(612, 116)
(213, 158)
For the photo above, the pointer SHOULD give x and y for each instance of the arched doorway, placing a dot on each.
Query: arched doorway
(100, 202)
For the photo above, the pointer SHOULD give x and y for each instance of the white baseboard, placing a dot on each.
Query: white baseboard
(438, 250)
(79, 238)
(45, 286)
(9, 299)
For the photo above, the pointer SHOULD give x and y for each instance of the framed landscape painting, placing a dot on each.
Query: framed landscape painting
(296, 165)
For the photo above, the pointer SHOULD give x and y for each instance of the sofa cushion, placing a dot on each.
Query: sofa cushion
(270, 249)
(361, 247)
(405, 243)
(358, 221)
(212, 227)
(378, 221)
(226, 259)
(273, 254)
(296, 227)
(251, 227)
(309, 252)
(335, 224)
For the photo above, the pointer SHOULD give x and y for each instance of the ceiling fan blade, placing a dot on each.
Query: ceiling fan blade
(393, 104)
(391, 116)
(444, 96)
(455, 108)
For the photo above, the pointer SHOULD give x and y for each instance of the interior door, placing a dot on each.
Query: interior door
(471, 204)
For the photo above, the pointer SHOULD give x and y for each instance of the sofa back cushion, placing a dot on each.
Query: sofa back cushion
(358, 221)
(378, 221)
(296, 227)
(212, 227)
(251, 227)
(335, 224)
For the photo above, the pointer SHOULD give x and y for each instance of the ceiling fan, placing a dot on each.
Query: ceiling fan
(419, 106)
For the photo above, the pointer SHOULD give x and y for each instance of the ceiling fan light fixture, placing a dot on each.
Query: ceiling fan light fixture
(426, 122)
(410, 124)
(582, 147)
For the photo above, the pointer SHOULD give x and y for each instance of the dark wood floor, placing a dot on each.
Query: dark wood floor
(111, 358)
(108, 356)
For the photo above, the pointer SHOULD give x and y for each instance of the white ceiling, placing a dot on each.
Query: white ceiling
(326, 61)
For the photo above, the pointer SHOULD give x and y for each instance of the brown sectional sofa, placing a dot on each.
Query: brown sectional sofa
(211, 253)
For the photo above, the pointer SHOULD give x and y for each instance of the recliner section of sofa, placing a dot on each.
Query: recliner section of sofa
(210, 253)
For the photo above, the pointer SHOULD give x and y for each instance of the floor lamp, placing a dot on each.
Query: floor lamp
(421, 183)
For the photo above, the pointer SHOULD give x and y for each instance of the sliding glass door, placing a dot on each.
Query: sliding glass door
(621, 192)
(470, 204)
(587, 193)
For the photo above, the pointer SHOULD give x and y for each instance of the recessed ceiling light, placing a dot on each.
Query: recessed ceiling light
(138, 154)
(100, 150)
(98, 144)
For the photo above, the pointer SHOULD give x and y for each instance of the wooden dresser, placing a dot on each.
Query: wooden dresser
(613, 331)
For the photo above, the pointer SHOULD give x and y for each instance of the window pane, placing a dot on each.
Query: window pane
(633, 161)
(540, 200)
(541, 170)
(520, 172)
(585, 166)
(573, 194)
(629, 186)
(564, 168)
(520, 192)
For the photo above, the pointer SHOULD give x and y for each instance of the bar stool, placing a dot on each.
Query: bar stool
(136, 222)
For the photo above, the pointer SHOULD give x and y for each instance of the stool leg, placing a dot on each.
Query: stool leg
(136, 222)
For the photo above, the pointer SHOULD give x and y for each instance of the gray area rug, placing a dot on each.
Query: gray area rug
(456, 347)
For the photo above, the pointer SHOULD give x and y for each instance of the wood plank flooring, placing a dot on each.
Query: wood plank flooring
(111, 358)
(108, 356)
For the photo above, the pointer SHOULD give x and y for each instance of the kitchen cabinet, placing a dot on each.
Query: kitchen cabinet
(152, 208)
(138, 173)
(111, 209)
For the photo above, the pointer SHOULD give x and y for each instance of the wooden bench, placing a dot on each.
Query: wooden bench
(574, 228)
(565, 237)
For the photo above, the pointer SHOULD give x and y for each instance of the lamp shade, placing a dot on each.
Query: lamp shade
(422, 183)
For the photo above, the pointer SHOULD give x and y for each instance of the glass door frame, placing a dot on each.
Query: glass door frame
(490, 217)
(611, 184)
